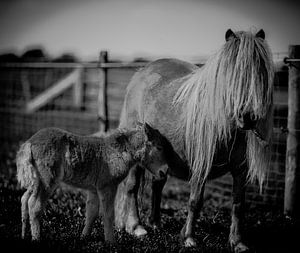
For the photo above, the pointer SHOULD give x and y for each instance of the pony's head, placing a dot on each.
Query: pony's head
(246, 63)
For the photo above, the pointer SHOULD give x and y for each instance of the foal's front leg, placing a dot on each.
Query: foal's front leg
(92, 211)
(194, 206)
(237, 214)
(157, 187)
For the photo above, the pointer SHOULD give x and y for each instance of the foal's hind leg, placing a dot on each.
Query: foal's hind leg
(157, 187)
(92, 211)
(107, 198)
(35, 206)
(237, 214)
(194, 206)
(24, 210)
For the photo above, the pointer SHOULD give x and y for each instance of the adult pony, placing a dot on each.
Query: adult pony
(218, 119)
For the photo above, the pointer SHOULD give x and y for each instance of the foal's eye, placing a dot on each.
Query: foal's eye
(159, 148)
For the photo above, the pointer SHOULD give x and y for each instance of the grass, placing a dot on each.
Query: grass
(63, 221)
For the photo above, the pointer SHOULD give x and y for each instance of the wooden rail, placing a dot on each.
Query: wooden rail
(72, 79)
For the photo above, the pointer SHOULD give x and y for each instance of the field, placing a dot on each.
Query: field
(63, 219)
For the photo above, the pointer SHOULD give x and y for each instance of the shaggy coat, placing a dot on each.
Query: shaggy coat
(96, 164)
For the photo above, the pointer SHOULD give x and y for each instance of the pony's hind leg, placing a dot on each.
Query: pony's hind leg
(157, 187)
(36, 203)
(92, 211)
(24, 210)
(194, 206)
(237, 213)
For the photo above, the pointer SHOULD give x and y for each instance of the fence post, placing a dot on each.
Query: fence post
(292, 176)
(102, 96)
(78, 89)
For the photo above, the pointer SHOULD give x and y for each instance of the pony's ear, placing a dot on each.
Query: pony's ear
(229, 35)
(261, 34)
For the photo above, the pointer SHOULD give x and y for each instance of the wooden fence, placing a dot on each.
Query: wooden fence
(86, 97)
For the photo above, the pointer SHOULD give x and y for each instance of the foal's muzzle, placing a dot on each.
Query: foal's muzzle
(163, 172)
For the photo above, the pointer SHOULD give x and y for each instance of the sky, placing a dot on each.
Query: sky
(186, 29)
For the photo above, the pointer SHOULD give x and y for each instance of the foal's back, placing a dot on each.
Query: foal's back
(59, 155)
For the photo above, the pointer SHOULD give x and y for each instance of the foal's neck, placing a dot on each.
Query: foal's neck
(130, 141)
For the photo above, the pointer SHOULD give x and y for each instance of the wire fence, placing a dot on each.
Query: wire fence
(77, 109)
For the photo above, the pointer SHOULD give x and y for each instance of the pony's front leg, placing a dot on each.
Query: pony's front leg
(92, 211)
(126, 207)
(194, 206)
(157, 187)
(237, 214)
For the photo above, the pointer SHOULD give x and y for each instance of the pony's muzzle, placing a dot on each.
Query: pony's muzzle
(248, 122)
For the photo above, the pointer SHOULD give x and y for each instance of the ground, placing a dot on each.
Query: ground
(63, 219)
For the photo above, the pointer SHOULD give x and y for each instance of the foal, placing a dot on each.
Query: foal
(96, 164)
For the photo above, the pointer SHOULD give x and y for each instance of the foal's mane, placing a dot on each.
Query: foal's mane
(238, 79)
(122, 137)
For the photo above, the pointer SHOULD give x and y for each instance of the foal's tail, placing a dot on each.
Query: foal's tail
(26, 172)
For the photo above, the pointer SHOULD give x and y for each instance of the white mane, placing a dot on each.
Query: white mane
(237, 80)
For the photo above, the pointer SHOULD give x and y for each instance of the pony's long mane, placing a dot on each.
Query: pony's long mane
(238, 79)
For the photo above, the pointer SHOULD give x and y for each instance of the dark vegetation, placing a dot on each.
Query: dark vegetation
(37, 54)
(63, 220)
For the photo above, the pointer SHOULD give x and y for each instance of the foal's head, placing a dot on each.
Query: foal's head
(155, 152)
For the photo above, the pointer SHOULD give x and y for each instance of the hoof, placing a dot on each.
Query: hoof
(189, 242)
(240, 247)
(139, 231)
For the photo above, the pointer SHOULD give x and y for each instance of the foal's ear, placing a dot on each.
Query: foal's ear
(229, 35)
(150, 132)
(261, 34)
(139, 124)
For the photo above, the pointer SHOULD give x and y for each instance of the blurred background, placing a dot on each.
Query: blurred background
(128, 29)
(67, 63)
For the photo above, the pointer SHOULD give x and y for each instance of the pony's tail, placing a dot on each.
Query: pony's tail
(26, 172)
